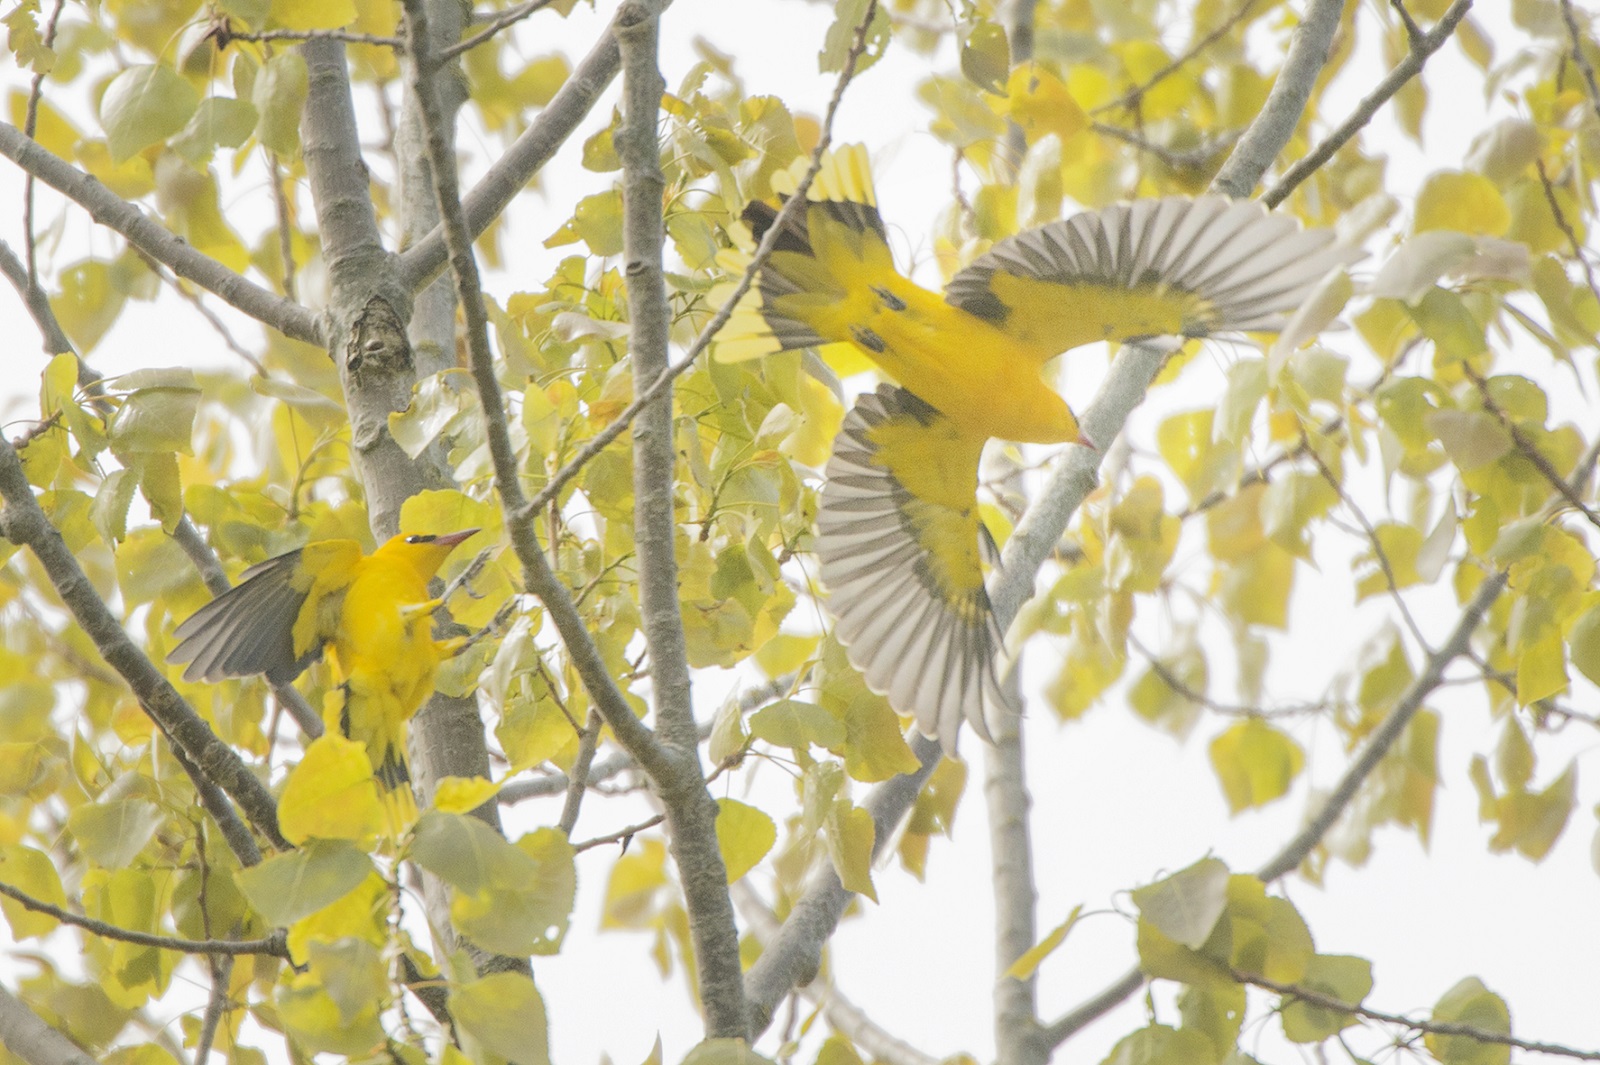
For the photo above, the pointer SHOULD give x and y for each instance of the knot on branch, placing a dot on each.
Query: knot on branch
(378, 341)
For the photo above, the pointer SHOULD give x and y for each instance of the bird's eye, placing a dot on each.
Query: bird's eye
(420, 538)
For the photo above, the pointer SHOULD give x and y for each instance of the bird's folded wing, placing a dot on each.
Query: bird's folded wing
(898, 540)
(251, 627)
(1160, 267)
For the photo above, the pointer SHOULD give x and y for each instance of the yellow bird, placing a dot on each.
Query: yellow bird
(898, 534)
(372, 616)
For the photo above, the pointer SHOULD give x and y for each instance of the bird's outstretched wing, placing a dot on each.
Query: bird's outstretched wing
(898, 539)
(1163, 267)
(252, 627)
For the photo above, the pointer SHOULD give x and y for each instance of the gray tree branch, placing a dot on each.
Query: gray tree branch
(26, 1035)
(25, 524)
(1264, 140)
(690, 810)
(150, 237)
(527, 155)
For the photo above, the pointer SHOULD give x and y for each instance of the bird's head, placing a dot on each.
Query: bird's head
(425, 552)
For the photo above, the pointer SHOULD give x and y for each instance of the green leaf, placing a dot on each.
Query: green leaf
(158, 413)
(797, 724)
(1583, 640)
(145, 105)
(287, 887)
(724, 1052)
(1341, 977)
(466, 853)
(1444, 319)
(279, 97)
(1247, 387)
(1215, 1011)
(1160, 1044)
(218, 121)
(744, 835)
(1255, 763)
(113, 833)
(986, 56)
(504, 1012)
(315, 407)
(1470, 1003)
(1472, 438)
(1185, 906)
(109, 511)
(334, 1005)
(842, 34)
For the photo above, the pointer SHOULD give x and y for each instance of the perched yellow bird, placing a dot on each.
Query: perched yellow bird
(371, 614)
(898, 534)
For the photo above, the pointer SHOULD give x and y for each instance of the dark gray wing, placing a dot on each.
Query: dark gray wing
(249, 628)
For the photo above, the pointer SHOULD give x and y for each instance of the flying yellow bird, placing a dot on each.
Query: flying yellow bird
(898, 534)
(371, 614)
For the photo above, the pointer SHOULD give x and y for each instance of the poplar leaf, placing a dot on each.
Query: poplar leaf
(505, 1013)
(849, 840)
(1185, 906)
(113, 833)
(331, 793)
(145, 105)
(1255, 763)
(744, 836)
(279, 95)
(1470, 1003)
(1028, 964)
(287, 887)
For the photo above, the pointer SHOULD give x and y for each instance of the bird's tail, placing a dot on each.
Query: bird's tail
(368, 717)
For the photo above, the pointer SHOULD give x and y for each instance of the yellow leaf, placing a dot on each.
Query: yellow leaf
(1463, 202)
(331, 793)
(1541, 670)
(462, 795)
(31, 872)
(744, 835)
(849, 840)
(1255, 763)
(312, 14)
(1028, 964)
(1041, 103)
(363, 913)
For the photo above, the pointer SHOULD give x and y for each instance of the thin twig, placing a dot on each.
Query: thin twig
(1200, 698)
(621, 835)
(1578, 55)
(509, 17)
(1186, 160)
(1311, 996)
(1135, 96)
(578, 778)
(1527, 449)
(226, 36)
(29, 127)
(1565, 226)
(1390, 579)
(280, 205)
(275, 945)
